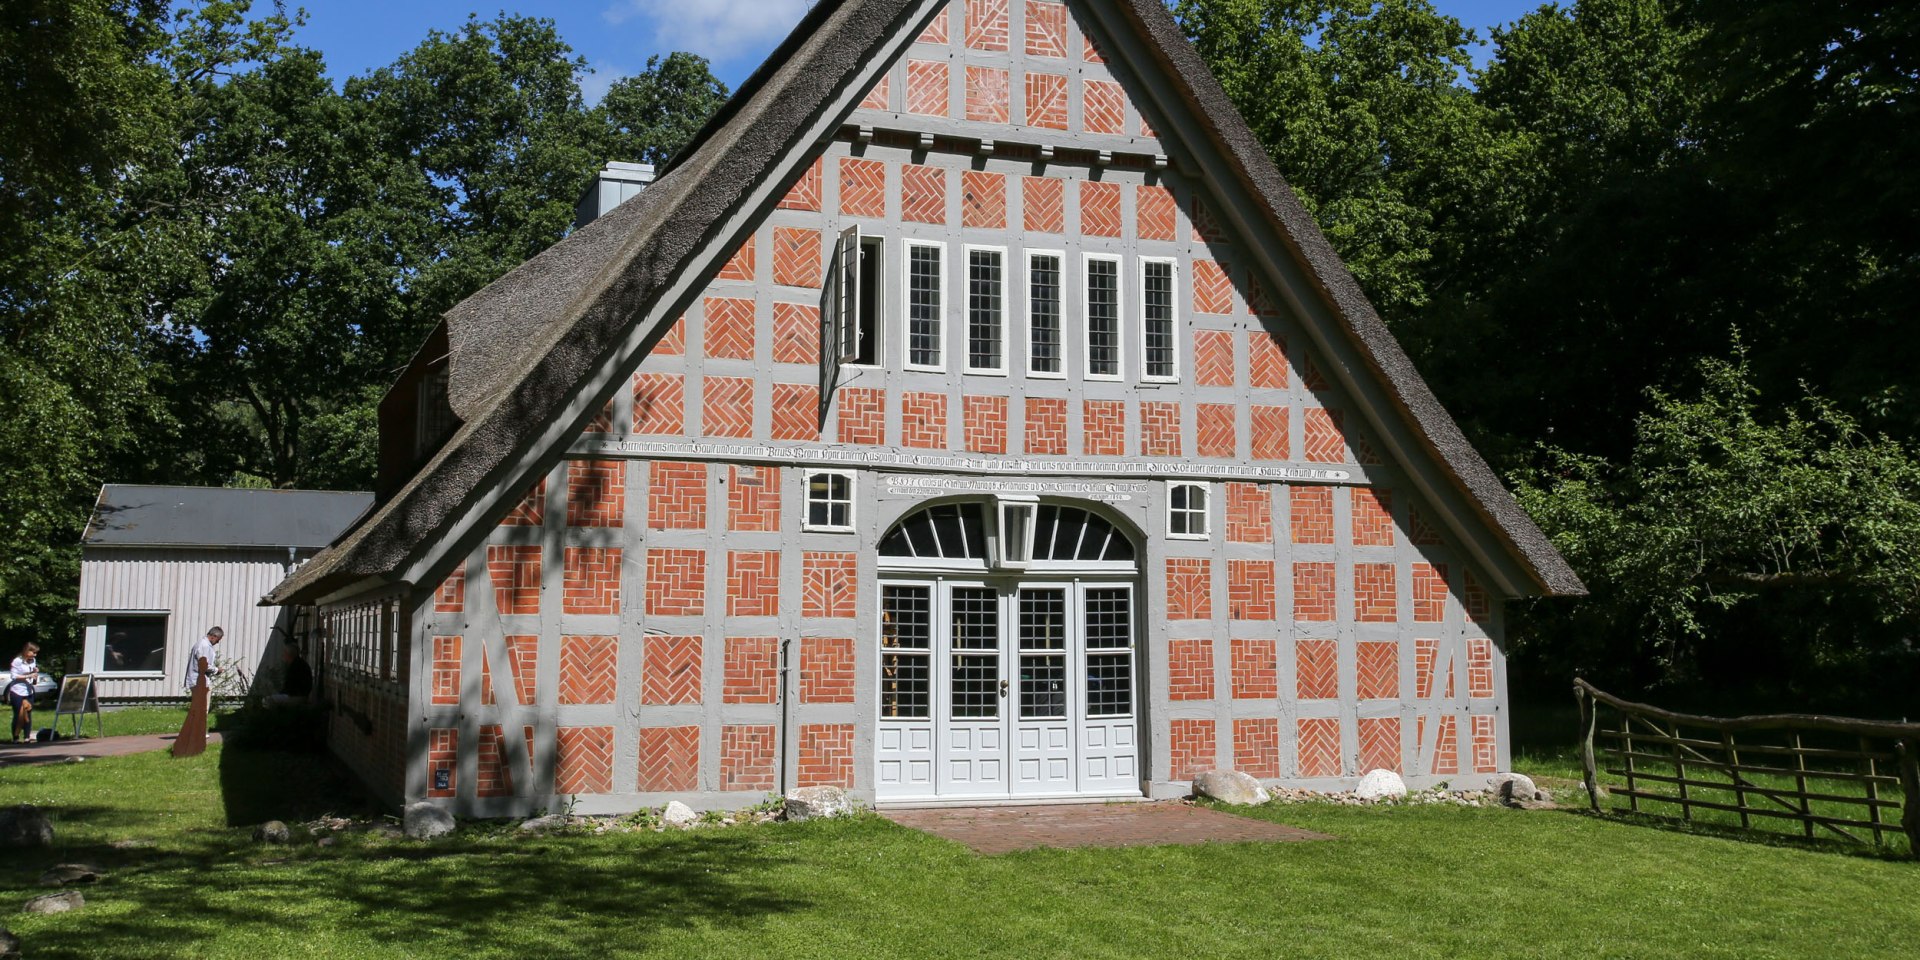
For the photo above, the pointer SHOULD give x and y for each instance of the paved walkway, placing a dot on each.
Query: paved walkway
(59, 750)
(992, 830)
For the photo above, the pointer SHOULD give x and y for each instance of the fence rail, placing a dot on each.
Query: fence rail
(1834, 776)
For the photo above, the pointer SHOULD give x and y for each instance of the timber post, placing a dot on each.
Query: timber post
(1910, 802)
(1587, 718)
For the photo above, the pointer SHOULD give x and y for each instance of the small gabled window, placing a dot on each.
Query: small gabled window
(1187, 511)
(829, 502)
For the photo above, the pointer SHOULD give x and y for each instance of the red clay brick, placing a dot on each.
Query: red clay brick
(1271, 434)
(1267, 361)
(1251, 590)
(796, 333)
(796, 411)
(1429, 592)
(749, 670)
(923, 420)
(984, 423)
(726, 407)
(1375, 593)
(753, 583)
(669, 759)
(1047, 101)
(1249, 513)
(1043, 205)
(1256, 747)
(927, 88)
(1480, 668)
(677, 496)
(1215, 434)
(988, 95)
(1156, 213)
(452, 595)
(831, 585)
(741, 265)
(659, 405)
(676, 583)
(987, 25)
(1212, 289)
(729, 328)
(753, 499)
(863, 188)
(1319, 739)
(596, 493)
(1213, 358)
(583, 760)
(923, 194)
(1159, 429)
(863, 415)
(1189, 588)
(1325, 441)
(1190, 669)
(445, 671)
(1256, 669)
(1312, 512)
(1046, 29)
(826, 670)
(515, 572)
(1046, 428)
(1104, 427)
(1314, 596)
(983, 196)
(747, 757)
(805, 192)
(589, 670)
(1100, 214)
(1379, 744)
(591, 580)
(1316, 669)
(670, 670)
(1372, 517)
(1378, 670)
(1191, 748)
(826, 755)
(531, 510)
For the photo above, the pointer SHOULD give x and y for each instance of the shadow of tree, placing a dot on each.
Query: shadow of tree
(259, 785)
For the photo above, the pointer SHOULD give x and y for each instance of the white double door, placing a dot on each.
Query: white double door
(994, 689)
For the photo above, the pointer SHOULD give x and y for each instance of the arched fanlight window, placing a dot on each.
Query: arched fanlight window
(1070, 534)
(958, 531)
(946, 531)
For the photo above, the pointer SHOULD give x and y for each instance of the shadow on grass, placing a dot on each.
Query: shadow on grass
(1894, 849)
(259, 785)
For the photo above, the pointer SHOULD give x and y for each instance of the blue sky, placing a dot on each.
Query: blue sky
(617, 36)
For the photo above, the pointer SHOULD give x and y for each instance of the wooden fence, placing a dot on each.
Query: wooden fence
(1837, 778)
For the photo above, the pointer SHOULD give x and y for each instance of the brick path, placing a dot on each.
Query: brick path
(19, 753)
(993, 830)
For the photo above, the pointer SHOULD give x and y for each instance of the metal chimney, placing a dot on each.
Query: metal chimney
(618, 183)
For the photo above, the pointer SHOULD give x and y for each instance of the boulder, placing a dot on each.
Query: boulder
(60, 902)
(9, 945)
(678, 814)
(1513, 788)
(69, 874)
(1379, 785)
(273, 831)
(816, 803)
(1230, 786)
(425, 821)
(24, 826)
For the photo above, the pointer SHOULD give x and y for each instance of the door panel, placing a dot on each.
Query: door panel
(1043, 715)
(975, 757)
(904, 745)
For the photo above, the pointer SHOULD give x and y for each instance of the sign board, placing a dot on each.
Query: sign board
(77, 698)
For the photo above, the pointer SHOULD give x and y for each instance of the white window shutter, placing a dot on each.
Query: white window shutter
(847, 295)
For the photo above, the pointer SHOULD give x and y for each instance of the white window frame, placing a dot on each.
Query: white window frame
(1014, 546)
(844, 332)
(1173, 321)
(1119, 316)
(1060, 318)
(93, 648)
(806, 502)
(1206, 510)
(906, 302)
(1006, 315)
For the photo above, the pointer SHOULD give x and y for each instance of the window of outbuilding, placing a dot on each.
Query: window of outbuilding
(134, 644)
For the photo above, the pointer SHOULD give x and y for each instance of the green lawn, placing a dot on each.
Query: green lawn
(1400, 882)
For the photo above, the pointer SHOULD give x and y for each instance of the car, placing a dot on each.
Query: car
(44, 689)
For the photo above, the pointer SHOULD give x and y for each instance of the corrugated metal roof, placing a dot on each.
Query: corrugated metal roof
(132, 515)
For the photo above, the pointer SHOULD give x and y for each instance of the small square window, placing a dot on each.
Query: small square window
(134, 645)
(830, 502)
(1187, 511)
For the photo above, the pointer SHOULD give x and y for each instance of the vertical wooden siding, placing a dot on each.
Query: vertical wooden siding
(198, 588)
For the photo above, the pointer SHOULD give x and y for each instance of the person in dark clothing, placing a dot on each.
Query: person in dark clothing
(296, 681)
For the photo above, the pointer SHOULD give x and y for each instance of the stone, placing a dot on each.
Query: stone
(68, 874)
(678, 814)
(24, 826)
(1379, 785)
(1513, 788)
(1231, 787)
(816, 803)
(326, 841)
(546, 824)
(425, 821)
(60, 902)
(9, 945)
(273, 831)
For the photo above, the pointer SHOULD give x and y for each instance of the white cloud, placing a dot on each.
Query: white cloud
(720, 30)
(595, 85)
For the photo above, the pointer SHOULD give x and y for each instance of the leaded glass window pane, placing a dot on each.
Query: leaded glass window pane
(923, 306)
(906, 645)
(1157, 294)
(1103, 318)
(1043, 313)
(986, 311)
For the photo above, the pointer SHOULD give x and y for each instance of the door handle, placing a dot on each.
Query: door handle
(1003, 689)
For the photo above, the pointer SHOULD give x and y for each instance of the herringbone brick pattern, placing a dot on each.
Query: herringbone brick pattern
(592, 581)
(987, 26)
(826, 755)
(669, 759)
(1249, 513)
(923, 194)
(1214, 431)
(983, 199)
(1259, 302)
(1043, 204)
(1046, 29)
(984, 423)
(831, 585)
(753, 499)
(863, 187)
(927, 88)
(1212, 288)
(589, 669)
(1156, 212)
(583, 760)
(670, 671)
(1256, 747)
(753, 583)
(492, 778)
(1206, 227)
(1191, 748)
(746, 757)
(805, 192)
(1314, 593)
(602, 422)
(796, 333)
(726, 407)
(443, 762)
(1090, 52)
(523, 658)
(1047, 101)
(741, 266)
(1375, 593)
(1100, 213)
(796, 257)
(531, 510)
(1378, 670)
(826, 670)
(796, 411)
(1159, 429)
(1251, 590)
(1310, 376)
(515, 572)
(445, 672)
(1316, 669)
(1372, 517)
(1312, 513)
(1190, 669)
(1103, 428)
(676, 583)
(659, 404)
(881, 96)
(1045, 433)
(1267, 368)
(1272, 434)
(1104, 107)
(674, 344)
(1319, 739)
(1256, 669)
(1213, 358)
(1421, 533)
(1426, 656)
(729, 328)
(1446, 748)
(1325, 441)
(1429, 592)
(1189, 588)
(1479, 605)
(677, 496)
(987, 95)
(750, 669)
(923, 420)
(452, 595)
(1486, 748)
(1480, 668)
(1379, 744)
(596, 493)
(936, 31)
(863, 415)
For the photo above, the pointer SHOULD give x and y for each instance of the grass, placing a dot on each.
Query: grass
(1398, 881)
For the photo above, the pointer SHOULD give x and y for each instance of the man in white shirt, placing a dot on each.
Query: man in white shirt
(200, 658)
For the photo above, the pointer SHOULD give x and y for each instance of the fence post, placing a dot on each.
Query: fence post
(1910, 802)
(1588, 715)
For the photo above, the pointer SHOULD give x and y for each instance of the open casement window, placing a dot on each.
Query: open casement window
(845, 325)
